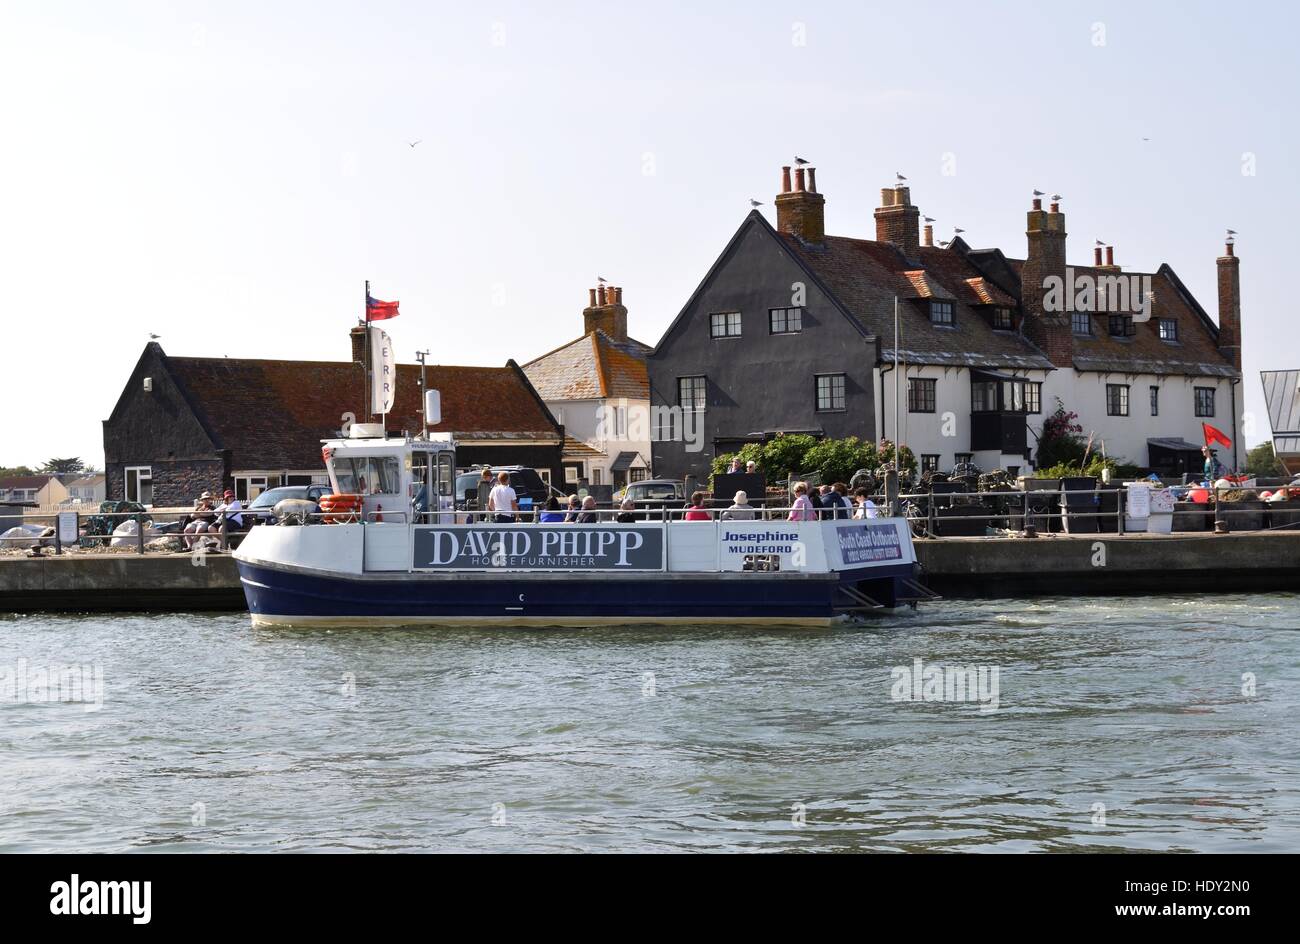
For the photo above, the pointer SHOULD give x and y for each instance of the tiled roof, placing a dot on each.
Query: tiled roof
(24, 482)
(576, 449)
(865, 276)
(273, 414)
(87, 481)
(591, 367)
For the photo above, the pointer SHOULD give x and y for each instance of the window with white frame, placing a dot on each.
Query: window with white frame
(785, 320)
(830, 392)
(724, 324)
(692, 393)
(139, 484)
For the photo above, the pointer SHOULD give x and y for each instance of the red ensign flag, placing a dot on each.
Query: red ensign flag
(1213, 435)
(380, 311)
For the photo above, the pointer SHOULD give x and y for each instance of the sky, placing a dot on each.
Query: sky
(227, 175)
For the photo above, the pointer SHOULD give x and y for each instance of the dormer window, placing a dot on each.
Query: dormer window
(1168, 329)
(1081, 324)
(941, 313)
(1121, 326)
(1002, 320)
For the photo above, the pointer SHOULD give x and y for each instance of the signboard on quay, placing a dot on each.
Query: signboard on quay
(566, 547)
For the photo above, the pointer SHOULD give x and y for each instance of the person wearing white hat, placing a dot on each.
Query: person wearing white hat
(740, 510)
(200, 521)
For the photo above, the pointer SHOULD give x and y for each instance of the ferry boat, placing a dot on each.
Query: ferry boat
(391, 549)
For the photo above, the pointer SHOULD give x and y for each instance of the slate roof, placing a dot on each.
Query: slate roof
(24, 482)
(1282, 396)
(592, 367)
(272, 414)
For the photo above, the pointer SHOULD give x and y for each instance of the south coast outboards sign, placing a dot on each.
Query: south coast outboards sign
(869, 543)
(530, 547)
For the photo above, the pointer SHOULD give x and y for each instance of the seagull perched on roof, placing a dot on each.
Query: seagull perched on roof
(155, 337)
(928, 219)
(943, 244)
(799, 160)
(958, 230)
(1231, 232)
(1039, 193)
(600, 279)
(755, 203)
(899, 177)
(1056, 197)
(1100, 243)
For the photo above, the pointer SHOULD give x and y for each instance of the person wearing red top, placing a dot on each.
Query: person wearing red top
(697, 511)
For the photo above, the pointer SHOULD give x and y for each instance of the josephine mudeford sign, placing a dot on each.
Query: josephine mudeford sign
(869, 543)
(566, 547)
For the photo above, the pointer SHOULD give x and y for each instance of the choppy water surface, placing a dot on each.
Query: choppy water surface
(214, 736)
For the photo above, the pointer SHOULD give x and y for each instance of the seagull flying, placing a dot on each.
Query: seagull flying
(800, 161)
(414, 143)
(958, 230)
(755, 203)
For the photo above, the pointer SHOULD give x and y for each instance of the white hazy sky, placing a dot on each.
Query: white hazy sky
(228, 174)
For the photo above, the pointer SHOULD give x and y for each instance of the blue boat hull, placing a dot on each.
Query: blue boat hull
(289, 596)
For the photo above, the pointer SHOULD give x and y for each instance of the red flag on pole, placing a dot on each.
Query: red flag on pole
(380, 311)
(1213, 435)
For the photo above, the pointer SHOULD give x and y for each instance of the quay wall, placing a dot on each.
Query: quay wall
(953, 567)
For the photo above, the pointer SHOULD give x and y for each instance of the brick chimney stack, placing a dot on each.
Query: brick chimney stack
(1110, 260)
(1050, 330)
(801, 212)
(1230, 305)
(897, 221)
(929, 235)
(606, 312)
(358, 335)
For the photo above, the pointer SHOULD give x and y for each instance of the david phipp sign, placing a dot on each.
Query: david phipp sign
(529, 547)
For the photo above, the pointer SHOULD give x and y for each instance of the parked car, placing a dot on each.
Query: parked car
(651, 495)
(260, 509)
(528, 485)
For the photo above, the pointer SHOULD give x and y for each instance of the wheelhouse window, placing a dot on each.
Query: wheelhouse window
(724, 324)
(139, 484)
(1002, 320)
(1081, 324)
(920, 394)
(942, 313)
(691, 393)
(785, 320)
(1116, 399)
(1204, 401)
(1168, 329)
(930, 463)
(1121, 326)
(830, 392)
(1155, 400)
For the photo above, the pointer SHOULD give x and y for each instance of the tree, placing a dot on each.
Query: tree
(8, 471)
(1263, 461)
(63, 466)
(1060, 440)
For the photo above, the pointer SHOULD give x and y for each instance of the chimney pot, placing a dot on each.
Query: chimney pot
(798, 179)
(1096, 256)
(592, 293)
(1228, 249)
(1055, 208)
(929, 235)
(1110, 255)
(1038, 203)
(785, 179)
(812, 179)
(600, 296)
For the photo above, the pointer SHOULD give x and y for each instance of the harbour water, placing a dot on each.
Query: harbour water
(1130, 724)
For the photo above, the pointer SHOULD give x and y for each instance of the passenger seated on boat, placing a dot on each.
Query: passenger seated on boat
(627, 512)
(551, 513)
(571, 516)
(835, 501)
(503, 502)
(866, 507)
(697, 511)
(740, 510)
(588, 514)
(802, 508)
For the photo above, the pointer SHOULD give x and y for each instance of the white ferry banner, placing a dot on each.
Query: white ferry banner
(869, 543)
(566, 547)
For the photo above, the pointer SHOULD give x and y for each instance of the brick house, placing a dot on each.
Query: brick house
(186, 424)
(792, 330)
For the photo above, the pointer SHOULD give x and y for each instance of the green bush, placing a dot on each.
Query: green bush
(1262, 461)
